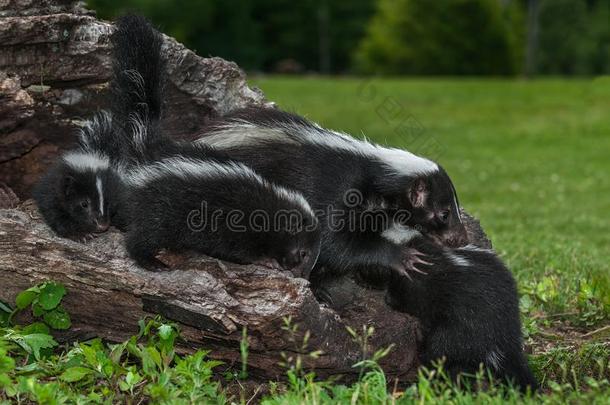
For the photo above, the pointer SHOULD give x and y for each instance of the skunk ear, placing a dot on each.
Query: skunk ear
(418, 193)
(68, 185)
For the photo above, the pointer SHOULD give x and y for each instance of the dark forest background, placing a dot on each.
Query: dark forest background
(391, 37)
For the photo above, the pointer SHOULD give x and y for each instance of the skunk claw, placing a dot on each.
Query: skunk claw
(270, 264)
(412, 258)
(86, 237)
(324, 296)
(155, 265)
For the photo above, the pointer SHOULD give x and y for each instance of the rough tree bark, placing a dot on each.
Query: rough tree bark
(54, 66)
(54, 69)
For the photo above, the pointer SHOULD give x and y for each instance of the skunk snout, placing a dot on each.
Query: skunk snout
(300, 261)
(456, 238)
(101, 225)
(295, 258)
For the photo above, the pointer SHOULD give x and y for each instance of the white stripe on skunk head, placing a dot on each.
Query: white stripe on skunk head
(239, 132)
(86, 161)
(100, 193)
(400, 234)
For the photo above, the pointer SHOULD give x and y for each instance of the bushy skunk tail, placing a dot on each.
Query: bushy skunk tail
(517, 371)
(138, 77)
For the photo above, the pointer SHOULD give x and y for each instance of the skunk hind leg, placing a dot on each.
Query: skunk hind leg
(142, 248)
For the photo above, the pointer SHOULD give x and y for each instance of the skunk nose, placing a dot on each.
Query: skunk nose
(301, 261)
(101, 226)
(456, 239)
(295, 258)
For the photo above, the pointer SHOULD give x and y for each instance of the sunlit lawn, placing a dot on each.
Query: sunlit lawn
(529, 158)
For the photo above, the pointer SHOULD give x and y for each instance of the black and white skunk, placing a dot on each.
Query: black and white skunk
(75, 197)
(187, 197)
(348, 182)
(224, 210)
(468, 305)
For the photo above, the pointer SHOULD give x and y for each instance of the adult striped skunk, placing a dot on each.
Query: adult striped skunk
(192, 197)
(357, 188)
(468, 305)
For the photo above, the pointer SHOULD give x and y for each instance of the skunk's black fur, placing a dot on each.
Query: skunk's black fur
(469, 309)
(137, 87)
(224, 210)
(169, 184)
(355, 180)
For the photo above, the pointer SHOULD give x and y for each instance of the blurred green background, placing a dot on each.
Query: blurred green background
(393, 37)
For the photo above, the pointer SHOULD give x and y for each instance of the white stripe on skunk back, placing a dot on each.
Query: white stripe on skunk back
(457, 260)
(243, 133)
(400, 234)
(94, 129)
(86, 161)
(187, 168)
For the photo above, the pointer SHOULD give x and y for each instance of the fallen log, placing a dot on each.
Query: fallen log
(212, 300)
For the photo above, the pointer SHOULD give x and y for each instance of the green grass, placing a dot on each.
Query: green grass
(529, 159)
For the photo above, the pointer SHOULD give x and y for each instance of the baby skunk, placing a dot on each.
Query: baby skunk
(348, 182)
(75, 195)
(224, 210)
(185, 197)
(469, 309)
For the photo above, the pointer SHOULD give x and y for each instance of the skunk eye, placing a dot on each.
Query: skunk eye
(84, 203)
(444, 216)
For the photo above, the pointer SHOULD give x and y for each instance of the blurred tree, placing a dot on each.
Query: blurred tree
(573, 37)
(464, 37)
(600, 34)
(563, 39)
(318, 35)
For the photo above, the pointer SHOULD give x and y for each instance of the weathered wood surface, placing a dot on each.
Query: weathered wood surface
(54, 67)
(212, 300)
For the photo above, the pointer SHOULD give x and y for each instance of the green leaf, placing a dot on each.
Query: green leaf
(6, 363)
(165, 331)
(37, 310)
(4, 307)
(25, 298)
(151, 360)
(51, 295)
(35, 342)
(74, 374)
(58, 319)
(89, 354)
(36, 327)
(5, 381)
(133, 378)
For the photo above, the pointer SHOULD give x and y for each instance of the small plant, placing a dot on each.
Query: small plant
(243, 350)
